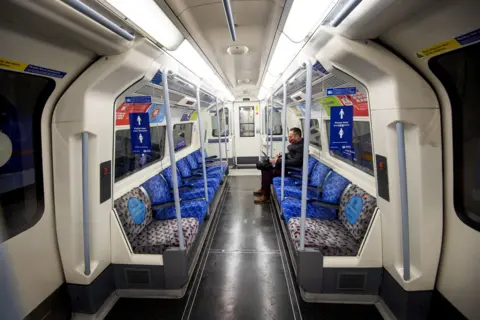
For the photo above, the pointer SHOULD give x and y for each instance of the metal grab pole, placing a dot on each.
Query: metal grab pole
(94, 15)
(402, 168)
(306, 141)
(266, 127)
(219, 135)
(225, 132)
(171, 151)
(271, 127)
(86, 223)
(200, 134)
(284, 142)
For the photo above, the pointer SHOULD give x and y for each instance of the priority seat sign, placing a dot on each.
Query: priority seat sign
(341, 121)
(140, 133)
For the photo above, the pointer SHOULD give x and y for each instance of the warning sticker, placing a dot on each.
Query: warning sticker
(445, 46)
(30, 68)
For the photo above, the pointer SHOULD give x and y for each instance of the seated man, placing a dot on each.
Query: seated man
(294, 158)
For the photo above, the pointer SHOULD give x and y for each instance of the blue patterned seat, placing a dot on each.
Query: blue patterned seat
(210, 162)
(332, 191)
(188, 176)
(317, 178)
(195, 166)
(148, 236)
(290, 181)
(193, 183)
(343, 236)
(158, 191)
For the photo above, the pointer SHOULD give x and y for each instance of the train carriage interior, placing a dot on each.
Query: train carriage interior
(239, 159)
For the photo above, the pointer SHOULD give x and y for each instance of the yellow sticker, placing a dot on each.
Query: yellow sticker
(328, 102)
(439, 48)
(10, 64)
(256, 108)
(194, 116)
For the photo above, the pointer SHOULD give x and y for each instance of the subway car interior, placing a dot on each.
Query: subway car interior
(239, 159)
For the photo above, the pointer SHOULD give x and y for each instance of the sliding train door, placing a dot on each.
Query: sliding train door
(247, 131)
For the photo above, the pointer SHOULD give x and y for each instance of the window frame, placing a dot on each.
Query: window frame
(356, 165)
(189, 124)
(140, 168)
(302, 125)
(36, 140)
(240, 124)
(471, 219)
(213, 119)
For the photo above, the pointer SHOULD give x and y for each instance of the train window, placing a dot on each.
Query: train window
(459, 72)
(223, 127)
(276, 122)
(126, 162)
(22, 99)
(315, 137)
(362, 157)
(182, 135)
(247, 122)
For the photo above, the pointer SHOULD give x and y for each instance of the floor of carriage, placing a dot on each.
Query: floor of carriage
(243, 273)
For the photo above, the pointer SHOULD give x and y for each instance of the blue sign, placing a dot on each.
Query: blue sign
(140, 133)
(341, 122)
(45, 71)
(157, 78)
(137, 210)
(138, 99)
(318, 67)
(341, 91)
(157, 113)
(469, 37)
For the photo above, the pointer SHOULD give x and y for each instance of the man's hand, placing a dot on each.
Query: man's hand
(273, 161)
(279, 155)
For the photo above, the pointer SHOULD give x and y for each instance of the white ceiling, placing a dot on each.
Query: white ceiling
(256, 21)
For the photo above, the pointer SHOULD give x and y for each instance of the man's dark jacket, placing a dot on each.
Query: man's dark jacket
(294, 157)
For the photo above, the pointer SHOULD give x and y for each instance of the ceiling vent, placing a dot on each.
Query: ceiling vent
(237, 50)
(298, 96)
(246, 99)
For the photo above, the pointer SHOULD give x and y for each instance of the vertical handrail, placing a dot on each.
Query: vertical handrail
(266, 127)
(171, 152)
(271, 127)
(402, 168)
(306, 141)
(86, 223)
(202, 148)
(225, 132)
(230, 22)
(94, 15)
(284, 140)
(219, 136)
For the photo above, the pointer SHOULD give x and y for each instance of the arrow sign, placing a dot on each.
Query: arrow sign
(140, 133)
(341, 122)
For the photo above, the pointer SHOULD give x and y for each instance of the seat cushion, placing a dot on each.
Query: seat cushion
(292, 208)
(198, 183)
(188, 209)
(289, 181)
(329, 237)
(134, 211)
(295, 192)
(197, 193)
(356, 211)
(160, 235)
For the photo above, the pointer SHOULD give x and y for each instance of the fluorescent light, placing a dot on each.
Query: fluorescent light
(305, 16)
(284, 53)
(190, 58)
(148, 16)
(262, 93)
(269, 80)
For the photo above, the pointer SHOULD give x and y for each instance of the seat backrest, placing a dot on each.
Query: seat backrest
(356, 211)
(167, 174)
(158, 190)
(319, 173)
(198, 155)
(192, 161)
(333, 188)
(135, 212)
(311, 164)
(184, 168)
